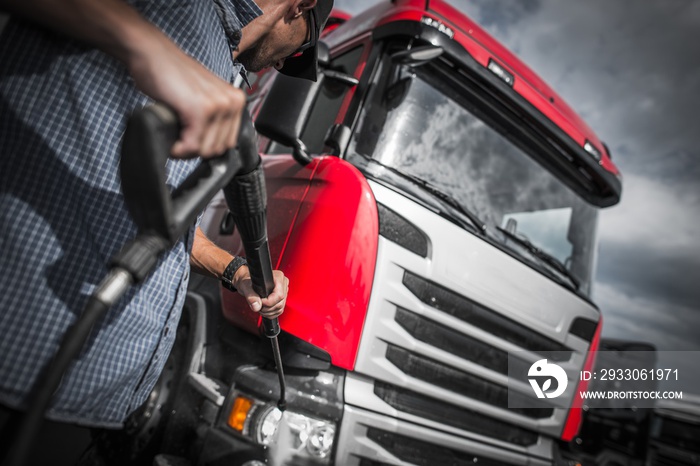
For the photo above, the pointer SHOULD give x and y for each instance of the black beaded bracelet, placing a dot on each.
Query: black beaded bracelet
(231, 269)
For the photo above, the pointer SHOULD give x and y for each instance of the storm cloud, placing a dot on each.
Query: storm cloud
(632, 70)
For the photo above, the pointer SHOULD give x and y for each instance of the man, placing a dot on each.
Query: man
(70, 73)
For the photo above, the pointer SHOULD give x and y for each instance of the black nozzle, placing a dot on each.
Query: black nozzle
(247, 200)
(271, 327)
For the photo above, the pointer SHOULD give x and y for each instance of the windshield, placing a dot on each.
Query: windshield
(422, 128)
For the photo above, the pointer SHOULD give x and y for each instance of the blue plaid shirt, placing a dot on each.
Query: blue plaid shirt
(63, 108)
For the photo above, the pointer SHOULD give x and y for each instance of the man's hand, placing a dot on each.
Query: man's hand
(270, 307)
(209, 108)
(209, 259)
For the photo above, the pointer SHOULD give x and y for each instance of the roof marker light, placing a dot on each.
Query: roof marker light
(438, 25)
(499, 71)
(591, 149)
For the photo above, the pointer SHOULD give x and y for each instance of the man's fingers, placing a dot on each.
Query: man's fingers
(232, 133)
(208, 107)
(211, 141)
(272, 315)
(209, 121)
(273, 311)
(225, 117)
(273, 305)
(279, 292)
(254, 303)
(233, 123)
(189, 144)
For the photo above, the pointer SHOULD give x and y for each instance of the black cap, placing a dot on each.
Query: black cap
(305, 65)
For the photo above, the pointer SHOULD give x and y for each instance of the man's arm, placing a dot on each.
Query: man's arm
(209, 108)
(209, 259)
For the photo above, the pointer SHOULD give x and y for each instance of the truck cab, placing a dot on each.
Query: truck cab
(434, 204)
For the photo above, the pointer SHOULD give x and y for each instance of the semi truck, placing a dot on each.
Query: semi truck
(675, 429)
(616, 432)
(434, 204)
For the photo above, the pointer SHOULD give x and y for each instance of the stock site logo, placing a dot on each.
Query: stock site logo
(543, 372)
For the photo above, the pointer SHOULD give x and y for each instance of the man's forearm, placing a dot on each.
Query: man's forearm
(110, 25)
(208, 107)
(207, 258)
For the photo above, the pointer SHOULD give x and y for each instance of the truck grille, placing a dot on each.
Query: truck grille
(447, 339)
(479, 316)
(457, 381)
(429, 408)
(431, 374)
(370, 439)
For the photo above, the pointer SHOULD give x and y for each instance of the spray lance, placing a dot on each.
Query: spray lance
(247, 200)
(161, 218)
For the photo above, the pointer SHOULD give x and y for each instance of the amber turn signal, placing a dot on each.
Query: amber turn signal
(239, 413)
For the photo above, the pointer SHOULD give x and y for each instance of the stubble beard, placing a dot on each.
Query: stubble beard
(254, 59)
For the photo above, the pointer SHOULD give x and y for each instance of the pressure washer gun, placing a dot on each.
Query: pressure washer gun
(162, 218)
(247, 200)
(240, 174)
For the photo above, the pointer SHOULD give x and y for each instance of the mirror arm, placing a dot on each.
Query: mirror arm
(340, 77)
(337, 139)
(300, 152)
(417, 56)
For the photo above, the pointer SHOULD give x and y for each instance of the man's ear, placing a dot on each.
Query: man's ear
(301, 6)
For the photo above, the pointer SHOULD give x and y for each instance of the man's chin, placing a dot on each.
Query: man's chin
(253, 63)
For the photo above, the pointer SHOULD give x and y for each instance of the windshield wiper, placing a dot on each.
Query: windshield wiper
(437, 193)
(542, 255)
(446, 198)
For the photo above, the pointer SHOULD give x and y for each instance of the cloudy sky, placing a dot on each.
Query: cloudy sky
(631, 69)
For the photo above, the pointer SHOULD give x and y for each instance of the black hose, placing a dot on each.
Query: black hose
(161, 218)
(51, 375)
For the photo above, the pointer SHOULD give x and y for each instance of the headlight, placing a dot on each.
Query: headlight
(266, 427)
(290, 437)
(293, 436)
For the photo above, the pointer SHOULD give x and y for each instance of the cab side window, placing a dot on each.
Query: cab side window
(326, 105)
(328, 101)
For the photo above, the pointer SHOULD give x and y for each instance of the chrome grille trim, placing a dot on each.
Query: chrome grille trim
(354, 443)
(536, 307)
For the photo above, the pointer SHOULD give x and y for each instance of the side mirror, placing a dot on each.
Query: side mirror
(286, 107)
(283, 113)
(417, 56)
(323, 54)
